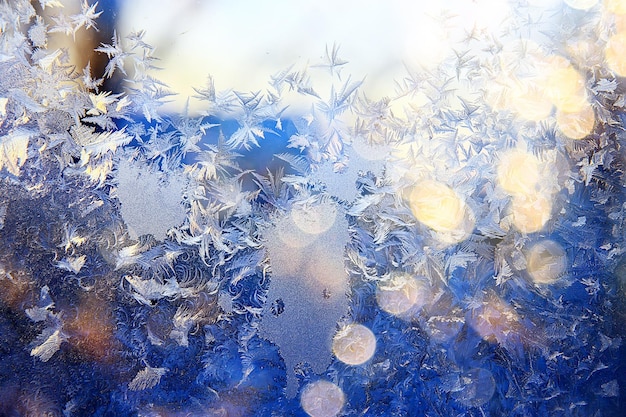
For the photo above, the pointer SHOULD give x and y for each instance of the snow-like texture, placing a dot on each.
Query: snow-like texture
(151, 203)
(307, 293)
(156, 265)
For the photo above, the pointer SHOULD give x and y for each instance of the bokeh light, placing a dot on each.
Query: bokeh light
(354, 344)
(292, 235)
(437, 206)
(564, 84)
(443, 318)
(546, 262)
(614, 53)
(581, 4)
(402, 292)
(91, 331)
(576, 125)
(531, 212)
(316, 218)
(496, 321)
(615, 6)
(528, 99)
(420, 224)
(519, 172)
(531, 184)
(322, 399)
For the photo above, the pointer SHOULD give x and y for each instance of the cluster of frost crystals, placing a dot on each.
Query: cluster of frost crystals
(455, 248)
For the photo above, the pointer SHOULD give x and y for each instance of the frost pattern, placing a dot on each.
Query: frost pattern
(229, 246)
(13, 153)
(48, 343)
(147, 378)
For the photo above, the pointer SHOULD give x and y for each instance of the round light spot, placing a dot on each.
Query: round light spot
(354, 344)
(519, 172)
(529, 101)
(564, 85)
(495, 320)
(576, 125)
(615, 6)
(400, 293)
(461, 233)
(293, 236)
(437, 206)
(581, 4)
(532, 212)
(322, 399)
(314, 219)
(546, 262)
(614, 53)
(474, 387)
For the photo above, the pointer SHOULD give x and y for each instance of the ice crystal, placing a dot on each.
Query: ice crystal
(148, 377)
(48, 343)
(454, 247)
(14, 149)
(50, 339)
(72, 264)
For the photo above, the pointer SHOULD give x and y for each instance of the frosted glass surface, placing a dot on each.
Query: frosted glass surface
(312, 208)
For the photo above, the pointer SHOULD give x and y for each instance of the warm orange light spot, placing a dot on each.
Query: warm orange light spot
(15, 289)
(614, 53)
(437, 206)
(546, 262)
(528, 99)
(531, 82)
(565, 86)
(576, 125)
(496, 321)
(91, 330)
(615, 6)
(531, 212)
(519, 172)
(522, 175)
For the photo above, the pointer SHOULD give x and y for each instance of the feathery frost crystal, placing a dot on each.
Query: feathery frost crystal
(452, 247)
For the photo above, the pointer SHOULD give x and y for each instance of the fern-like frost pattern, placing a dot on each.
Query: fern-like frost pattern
(470, 226)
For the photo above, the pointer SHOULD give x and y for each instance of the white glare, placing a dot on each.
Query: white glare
(546, 262)
(401, 293)
(322, 399)
(355, 344)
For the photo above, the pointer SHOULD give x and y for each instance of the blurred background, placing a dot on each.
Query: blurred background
(241, 44)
